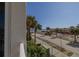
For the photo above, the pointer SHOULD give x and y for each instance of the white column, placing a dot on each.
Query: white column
(15, 28)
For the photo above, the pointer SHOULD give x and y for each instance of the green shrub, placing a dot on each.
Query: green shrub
(36, 50)
(70, 54)
(48, 33)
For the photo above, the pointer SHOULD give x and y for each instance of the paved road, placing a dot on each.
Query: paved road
(62, 43)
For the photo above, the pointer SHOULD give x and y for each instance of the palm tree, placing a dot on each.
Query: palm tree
(77, 26)
(47, 28)
(30, 23)
(56, 31)
(74, 32)
(37, 27)
(77, 30)
(48, 31)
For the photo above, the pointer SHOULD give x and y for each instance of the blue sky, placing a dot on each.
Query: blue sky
(54, 14)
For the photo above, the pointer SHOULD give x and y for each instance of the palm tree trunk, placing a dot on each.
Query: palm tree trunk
(28, 34)
(35, 36)
(75, 39)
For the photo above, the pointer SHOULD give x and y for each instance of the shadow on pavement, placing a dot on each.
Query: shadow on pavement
(76, 45)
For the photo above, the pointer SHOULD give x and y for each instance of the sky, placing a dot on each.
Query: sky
(54, 14)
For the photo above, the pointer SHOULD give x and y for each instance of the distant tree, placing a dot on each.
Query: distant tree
(77, 27)
(56, 31)
(74, 32)
(47, 28)
(48, 32)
